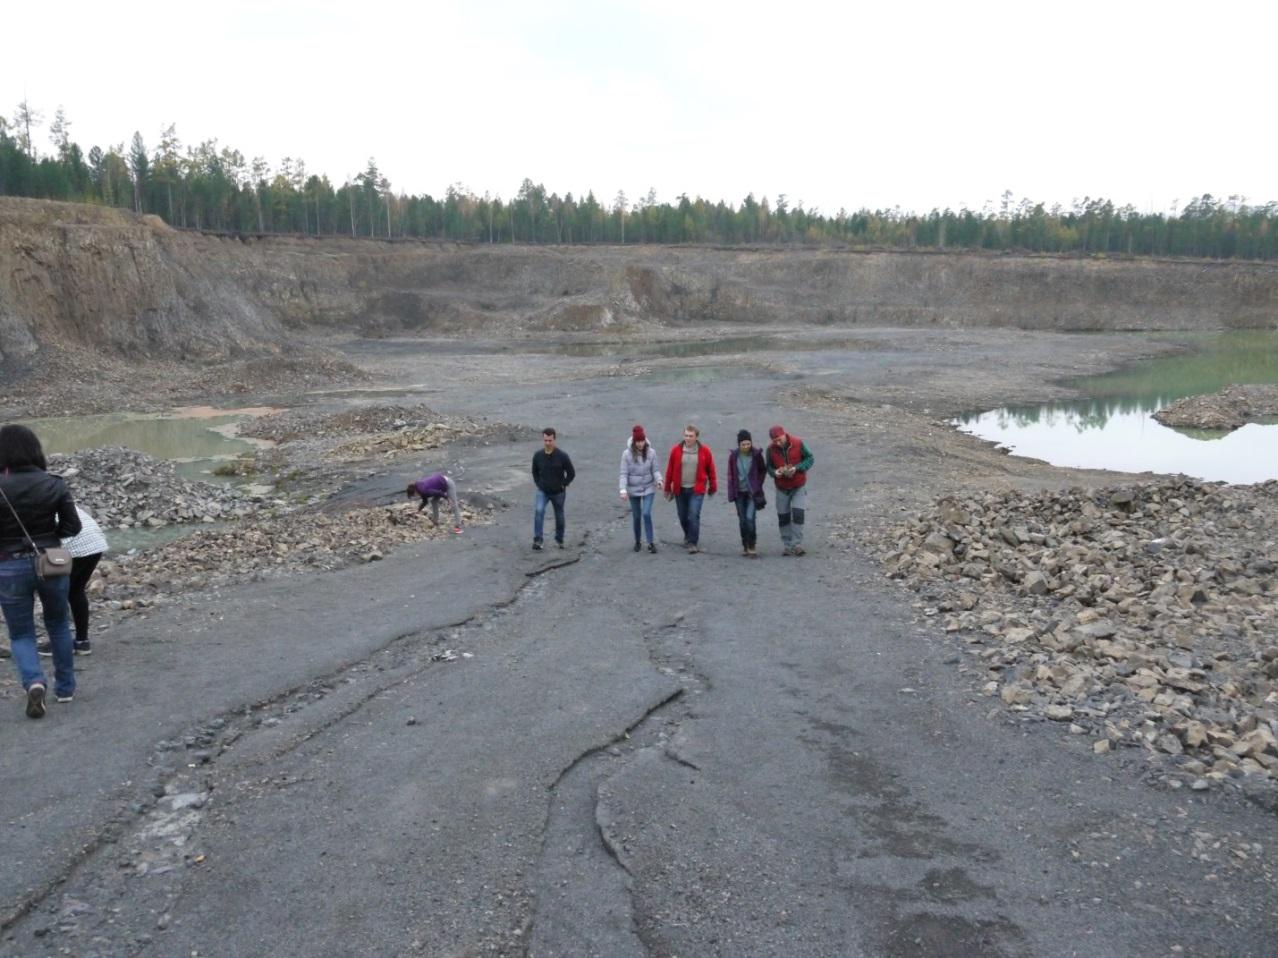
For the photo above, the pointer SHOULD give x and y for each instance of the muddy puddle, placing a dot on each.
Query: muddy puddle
(1113, 428)
(195, 438)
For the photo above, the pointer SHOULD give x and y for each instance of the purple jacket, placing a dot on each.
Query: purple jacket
(432, 486)
(758, 472)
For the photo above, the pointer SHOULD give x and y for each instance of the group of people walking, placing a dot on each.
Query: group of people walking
(37, 514)
(689, 477)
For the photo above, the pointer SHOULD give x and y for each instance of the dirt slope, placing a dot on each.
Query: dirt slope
(73, 275)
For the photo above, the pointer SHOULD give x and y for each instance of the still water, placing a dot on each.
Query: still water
(1113, 428)
(195, 439)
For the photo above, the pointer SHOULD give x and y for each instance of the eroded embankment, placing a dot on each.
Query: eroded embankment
(81, 276)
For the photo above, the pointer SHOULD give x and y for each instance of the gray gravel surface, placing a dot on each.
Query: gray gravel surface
(470, 748)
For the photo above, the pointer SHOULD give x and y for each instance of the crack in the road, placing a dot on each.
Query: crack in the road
(133, 818)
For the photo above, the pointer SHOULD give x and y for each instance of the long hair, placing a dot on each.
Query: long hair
(647, 448)
(19, 447)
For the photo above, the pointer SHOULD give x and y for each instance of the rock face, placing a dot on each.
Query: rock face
(1145, 615)
(1229, 409)
(74, 275)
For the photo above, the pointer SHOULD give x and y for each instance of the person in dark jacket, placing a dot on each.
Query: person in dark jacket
(552, 474)
(39, 505)
(746, 471)
(788, 463)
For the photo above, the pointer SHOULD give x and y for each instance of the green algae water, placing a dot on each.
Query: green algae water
(194, 439)
(1113, 428)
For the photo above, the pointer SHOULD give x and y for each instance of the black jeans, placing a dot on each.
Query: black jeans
(78, 597)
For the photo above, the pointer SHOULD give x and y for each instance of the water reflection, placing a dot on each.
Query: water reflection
(1122, 436)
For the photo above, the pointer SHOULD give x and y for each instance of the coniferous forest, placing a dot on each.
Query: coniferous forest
(208, 186)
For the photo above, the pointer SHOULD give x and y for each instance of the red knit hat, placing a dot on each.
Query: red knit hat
(638, 435)
(775, 431)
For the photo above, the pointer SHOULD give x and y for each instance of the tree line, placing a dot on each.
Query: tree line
(207, 186)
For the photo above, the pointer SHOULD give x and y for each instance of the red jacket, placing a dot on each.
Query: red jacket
(706, 478)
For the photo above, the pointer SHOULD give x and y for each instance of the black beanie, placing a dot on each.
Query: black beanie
(743, 435)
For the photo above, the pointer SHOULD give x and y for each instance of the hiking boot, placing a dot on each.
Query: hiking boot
(35, 700)
(652, 547)
(45, 648)
(83, 647)
(536, 545)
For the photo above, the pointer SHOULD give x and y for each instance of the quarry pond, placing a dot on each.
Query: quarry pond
(1113, 426)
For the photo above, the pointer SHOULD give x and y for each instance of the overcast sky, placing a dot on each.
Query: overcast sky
(916, 105)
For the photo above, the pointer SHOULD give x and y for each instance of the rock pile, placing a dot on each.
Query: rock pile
(122, 488)
(1229, 409)
(1145, 616)
(374, 431)
(302, 423)
(261, 546)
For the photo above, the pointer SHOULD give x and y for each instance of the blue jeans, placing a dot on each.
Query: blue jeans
(539, 514)
(688, 505)
(641, 507)
(745, 518)
(19, 585)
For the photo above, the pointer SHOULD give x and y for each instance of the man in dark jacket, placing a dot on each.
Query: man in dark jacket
(552, 474)
(788, 463)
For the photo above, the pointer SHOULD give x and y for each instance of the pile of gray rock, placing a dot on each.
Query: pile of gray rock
(382, 431)
(122, 488)
(261, 546)
(1144, 616)
(1229, 409)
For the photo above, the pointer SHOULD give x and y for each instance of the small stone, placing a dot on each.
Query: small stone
(1101, 747)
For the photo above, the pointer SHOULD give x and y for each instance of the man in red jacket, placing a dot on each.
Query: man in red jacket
(689, 479)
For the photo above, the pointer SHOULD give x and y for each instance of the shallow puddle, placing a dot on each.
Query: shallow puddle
(195, 438)
(1114, 428)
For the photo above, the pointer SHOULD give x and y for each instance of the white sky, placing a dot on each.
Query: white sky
(878, 104)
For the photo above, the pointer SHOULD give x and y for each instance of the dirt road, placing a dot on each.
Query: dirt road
(472, 748)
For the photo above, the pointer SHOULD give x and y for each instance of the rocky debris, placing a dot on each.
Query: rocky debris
(262, 546)
(1146, 616)
(1229, 409)
(122, 488)
(374, 430)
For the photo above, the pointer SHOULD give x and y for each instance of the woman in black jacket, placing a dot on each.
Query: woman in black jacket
(39, 502)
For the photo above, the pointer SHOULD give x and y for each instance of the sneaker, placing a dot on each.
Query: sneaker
(652, 547)
(787, 551)
(797, 550)
(559, 545)
(64, 699)
(83, 648)
(456, 530)
(536, 545)
(693, 549)
(35, 700)
(45, 648)
(638, 547)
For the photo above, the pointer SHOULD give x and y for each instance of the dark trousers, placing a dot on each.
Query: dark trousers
(688, 505)
(78, 596)
(745, 518)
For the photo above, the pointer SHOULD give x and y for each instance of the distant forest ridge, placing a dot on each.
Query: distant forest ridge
(212, 187)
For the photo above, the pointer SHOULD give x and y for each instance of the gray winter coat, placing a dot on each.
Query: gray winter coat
(639, 477)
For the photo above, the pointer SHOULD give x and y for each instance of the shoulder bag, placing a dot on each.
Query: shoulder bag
(50, 563)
